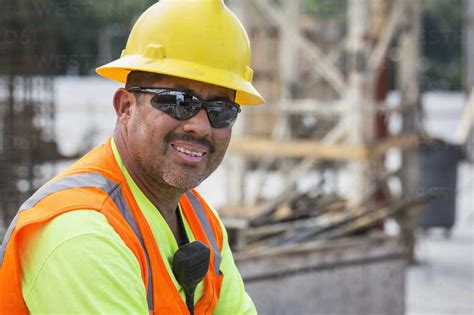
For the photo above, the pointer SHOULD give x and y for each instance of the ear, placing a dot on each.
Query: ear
(123, 101)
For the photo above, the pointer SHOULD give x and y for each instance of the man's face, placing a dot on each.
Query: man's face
(176, 153)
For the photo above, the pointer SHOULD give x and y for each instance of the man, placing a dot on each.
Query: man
(101, 236)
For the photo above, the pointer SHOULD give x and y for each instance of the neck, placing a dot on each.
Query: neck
(164, 197)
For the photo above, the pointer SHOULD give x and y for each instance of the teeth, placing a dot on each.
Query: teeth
(190, 153)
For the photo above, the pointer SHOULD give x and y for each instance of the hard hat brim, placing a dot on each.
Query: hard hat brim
(119, 69)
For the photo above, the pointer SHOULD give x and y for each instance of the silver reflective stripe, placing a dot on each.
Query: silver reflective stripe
(86, 180)
(74, 181)
(117, 196)
(199, 210)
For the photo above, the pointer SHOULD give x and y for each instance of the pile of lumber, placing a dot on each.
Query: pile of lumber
(308, 216)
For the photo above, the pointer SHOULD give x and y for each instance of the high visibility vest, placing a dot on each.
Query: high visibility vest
(96, 182)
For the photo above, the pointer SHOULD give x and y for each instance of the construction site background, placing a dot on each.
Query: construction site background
(360, 162)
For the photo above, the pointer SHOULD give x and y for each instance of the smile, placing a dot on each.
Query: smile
(188, 152)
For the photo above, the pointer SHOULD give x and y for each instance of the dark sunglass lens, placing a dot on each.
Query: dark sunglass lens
(164, 98)
(222, 114)
(187, 106)
(186, 110)
(165, 103)
(177, 104)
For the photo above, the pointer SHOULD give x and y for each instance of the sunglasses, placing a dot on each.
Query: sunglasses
(182, 106)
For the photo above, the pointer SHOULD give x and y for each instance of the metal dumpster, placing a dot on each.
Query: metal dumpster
(344, 277)
(438, 165)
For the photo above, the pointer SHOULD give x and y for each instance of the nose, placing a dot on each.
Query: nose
(198, 124)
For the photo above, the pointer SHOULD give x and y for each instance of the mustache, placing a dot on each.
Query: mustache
(189, 138)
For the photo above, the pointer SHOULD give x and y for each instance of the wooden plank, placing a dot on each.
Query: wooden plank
(380, 50)
(400, 142)
(260, 147)
(311, 106)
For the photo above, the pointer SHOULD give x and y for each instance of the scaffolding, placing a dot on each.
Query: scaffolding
(345, 84)
(327, 110)
(326, 78)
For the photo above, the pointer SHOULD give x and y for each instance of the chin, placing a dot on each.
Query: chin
(184, 183)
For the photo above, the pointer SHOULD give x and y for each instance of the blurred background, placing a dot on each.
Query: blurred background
(349, 192)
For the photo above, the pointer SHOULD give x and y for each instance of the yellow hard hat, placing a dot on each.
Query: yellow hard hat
(201, 40)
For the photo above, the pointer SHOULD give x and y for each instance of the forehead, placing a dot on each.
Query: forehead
(200, 89)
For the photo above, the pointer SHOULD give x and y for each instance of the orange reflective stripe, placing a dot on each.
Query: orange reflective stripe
(6, 238)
